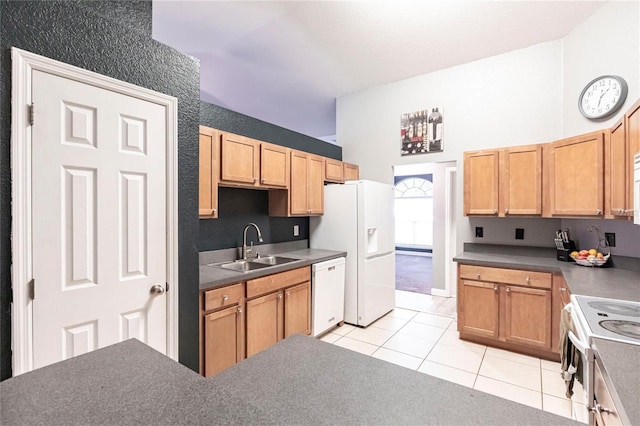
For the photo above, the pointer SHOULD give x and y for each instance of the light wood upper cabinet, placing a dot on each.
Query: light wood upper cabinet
(617, 173)
(240, 160)
(632, 129)
(209, 171)
(274, 165)
(521, 180)
(306, 191)
(251, 163)
(576, 175)
(481, 184)
(351, 171)
(333, 170)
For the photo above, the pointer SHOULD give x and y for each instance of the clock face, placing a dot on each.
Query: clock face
(602, 97)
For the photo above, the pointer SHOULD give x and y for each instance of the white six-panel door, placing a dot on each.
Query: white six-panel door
(98, 218)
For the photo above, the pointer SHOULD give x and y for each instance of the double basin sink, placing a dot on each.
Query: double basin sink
(246, 265)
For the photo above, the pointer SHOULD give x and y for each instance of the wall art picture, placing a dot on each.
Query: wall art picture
(421, 132)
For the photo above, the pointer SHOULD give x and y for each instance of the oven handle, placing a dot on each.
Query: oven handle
(580, 346)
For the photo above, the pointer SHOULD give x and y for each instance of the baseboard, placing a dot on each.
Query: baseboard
(439, 292)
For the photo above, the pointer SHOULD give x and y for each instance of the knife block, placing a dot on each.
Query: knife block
(564, 254)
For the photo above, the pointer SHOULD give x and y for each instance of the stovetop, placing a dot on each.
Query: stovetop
(610, 319)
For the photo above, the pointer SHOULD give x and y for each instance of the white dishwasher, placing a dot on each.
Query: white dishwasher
(327, 295)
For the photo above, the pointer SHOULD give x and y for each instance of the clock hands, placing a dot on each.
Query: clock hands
(603, 93)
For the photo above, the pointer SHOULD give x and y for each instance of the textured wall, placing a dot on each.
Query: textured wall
(68, 33)
(241, 206)
(231, 121)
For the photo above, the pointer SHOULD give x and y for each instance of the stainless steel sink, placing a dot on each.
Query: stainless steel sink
(273, 260)
(243, 265)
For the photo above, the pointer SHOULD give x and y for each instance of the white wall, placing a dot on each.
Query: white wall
(608, 42)
(521, 97)
(489, 103)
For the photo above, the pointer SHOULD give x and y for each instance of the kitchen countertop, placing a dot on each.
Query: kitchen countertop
(614, 283)
(301, 380)
(620, 364)
(212, 277)
(620, 361)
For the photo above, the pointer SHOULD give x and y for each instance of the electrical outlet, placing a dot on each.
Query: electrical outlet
(611, 238)
(519, 233)
(296, 230)
(479, 232)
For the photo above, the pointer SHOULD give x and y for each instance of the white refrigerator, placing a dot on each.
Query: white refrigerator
(358, 219)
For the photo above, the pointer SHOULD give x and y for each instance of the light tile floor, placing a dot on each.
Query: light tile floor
(420, 334)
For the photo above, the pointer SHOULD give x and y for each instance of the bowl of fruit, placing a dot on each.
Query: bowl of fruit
(591, 257)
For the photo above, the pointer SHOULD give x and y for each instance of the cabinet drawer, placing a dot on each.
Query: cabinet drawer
(221, 297)
(508, 276)
(278, 281)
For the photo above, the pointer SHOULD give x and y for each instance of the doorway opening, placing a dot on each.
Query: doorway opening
(414, 232)
(425, 228)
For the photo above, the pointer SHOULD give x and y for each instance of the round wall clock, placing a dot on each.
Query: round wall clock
(602, 97)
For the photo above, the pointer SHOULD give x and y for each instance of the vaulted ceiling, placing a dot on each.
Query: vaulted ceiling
(286, 62)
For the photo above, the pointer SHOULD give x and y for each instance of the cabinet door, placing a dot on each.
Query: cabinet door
(223, 339)
(209, 171)
(315, 182)
(264, 322)
(333, 170)
(274, 165)
(297, 309)
(479, 308)
(299, 187)
(481, 182)
(521, 180)
(351, 171)
(617, 172)
(240, 160)
(576, 175)
(527, 316)
(632, 128)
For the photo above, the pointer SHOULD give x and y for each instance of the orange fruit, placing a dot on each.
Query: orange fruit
(593, 252)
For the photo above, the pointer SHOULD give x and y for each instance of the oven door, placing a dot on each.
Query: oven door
(580, 339)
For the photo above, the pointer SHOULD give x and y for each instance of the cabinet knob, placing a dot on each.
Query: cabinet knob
(239, 310)
(527, 279)
(279, 295)
(255, 180)
(478, 275)
(214, 210)
(598, 211)
(495, 288)
(263, 180)
(495, 211)
(508, 290)
(506, 211)
(225, 297)
(288, 293)
(563, 289)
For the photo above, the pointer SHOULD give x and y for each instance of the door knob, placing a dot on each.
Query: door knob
(157, 289)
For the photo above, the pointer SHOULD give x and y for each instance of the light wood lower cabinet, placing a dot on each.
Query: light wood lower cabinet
(560, 297)
(505, 305)
(284, 310)
(223, 329)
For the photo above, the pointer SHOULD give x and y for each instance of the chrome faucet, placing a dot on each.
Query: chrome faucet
(245, 249)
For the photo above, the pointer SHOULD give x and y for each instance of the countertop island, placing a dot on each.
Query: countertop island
(301, 380)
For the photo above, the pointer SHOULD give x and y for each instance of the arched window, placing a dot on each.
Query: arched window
(414, 213)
